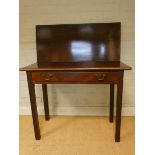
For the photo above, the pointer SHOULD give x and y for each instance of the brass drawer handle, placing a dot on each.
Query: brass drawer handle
(47, 79)
(100, 77)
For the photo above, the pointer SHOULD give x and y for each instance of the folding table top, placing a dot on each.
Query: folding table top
(90, 46)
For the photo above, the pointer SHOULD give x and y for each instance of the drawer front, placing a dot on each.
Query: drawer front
(76, 77)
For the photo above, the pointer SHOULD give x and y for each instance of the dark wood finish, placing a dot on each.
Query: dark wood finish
(111, 115)
(78, 42)
(45, 98)
(80, 54)
(33, 106)
(77, 66)
(76, 77)
(119, 109)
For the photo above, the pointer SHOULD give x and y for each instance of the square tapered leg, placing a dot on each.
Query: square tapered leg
(118, 110)
(31, 87)
(111, 113)
(45, 98)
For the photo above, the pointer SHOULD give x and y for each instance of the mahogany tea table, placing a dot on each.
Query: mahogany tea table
(77, 54)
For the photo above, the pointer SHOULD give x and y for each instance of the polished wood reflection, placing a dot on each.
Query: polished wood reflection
(77, 66)
(78, 42)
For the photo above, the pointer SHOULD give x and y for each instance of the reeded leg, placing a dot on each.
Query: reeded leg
(111, 115)
(118, 110)
(45, 98)
(33, 106)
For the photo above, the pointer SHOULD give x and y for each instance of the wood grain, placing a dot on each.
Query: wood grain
(78, 42)
(76, 66)
(76, 77)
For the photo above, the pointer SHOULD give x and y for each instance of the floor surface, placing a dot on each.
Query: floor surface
(76, 135)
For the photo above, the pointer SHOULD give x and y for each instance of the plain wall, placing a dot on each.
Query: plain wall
(76, 99)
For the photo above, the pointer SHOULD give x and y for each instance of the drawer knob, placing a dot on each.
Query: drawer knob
(100, 77)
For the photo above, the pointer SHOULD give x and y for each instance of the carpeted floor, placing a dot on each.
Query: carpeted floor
(76, 135)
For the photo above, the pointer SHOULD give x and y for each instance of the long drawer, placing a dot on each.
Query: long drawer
(75, 77)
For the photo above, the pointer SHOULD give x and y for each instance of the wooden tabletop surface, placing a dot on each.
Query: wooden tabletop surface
(76, 66)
